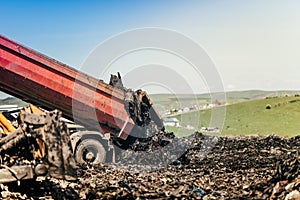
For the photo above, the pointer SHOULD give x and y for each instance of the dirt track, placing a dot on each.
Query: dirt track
(233, 168)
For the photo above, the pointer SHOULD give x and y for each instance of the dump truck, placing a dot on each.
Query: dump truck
(110, 115)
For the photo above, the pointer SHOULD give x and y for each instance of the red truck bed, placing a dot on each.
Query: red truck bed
(36, 78)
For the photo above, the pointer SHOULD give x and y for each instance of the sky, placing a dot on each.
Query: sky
(254, 44)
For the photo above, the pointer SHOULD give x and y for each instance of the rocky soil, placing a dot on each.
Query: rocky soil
(212, 168)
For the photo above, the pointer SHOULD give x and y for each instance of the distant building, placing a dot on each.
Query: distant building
(186, 109)
(208, 106)
(171, 122)
(210, 129)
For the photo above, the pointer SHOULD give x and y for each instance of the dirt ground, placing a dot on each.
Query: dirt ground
(212, 168)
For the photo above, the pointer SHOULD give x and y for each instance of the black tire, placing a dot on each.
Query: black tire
(91, 151)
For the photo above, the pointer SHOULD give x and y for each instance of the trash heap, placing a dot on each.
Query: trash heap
(252, 167)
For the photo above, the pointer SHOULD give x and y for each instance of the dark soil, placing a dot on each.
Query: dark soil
(212, 168)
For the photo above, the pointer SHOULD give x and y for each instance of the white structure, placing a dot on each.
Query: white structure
(186, 109)
(171, 122)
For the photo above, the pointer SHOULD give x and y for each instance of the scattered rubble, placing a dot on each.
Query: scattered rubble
(249, 167)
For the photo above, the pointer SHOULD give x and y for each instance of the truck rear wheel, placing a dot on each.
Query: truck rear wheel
(90, 150)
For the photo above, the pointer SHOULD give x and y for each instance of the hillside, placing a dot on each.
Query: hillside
(172, 101)
(252, 117)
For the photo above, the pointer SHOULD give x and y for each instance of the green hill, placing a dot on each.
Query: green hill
(172, 101)
(272, 115)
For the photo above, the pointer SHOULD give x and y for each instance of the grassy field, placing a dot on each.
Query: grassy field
(253, 118)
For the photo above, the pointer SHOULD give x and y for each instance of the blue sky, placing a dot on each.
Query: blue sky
(254, 44)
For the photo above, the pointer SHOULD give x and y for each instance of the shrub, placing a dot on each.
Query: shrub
(268, 106)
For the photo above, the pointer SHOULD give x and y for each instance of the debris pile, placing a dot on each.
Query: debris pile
(154, 152)
(249, 167)
(23, 150)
